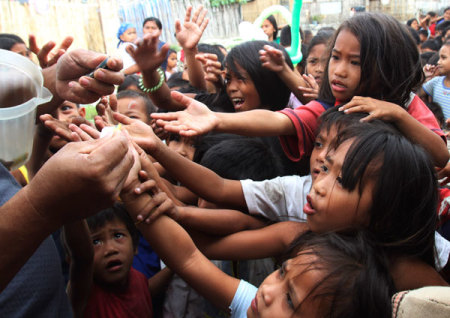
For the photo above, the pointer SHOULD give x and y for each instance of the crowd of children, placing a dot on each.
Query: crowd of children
(313, 188)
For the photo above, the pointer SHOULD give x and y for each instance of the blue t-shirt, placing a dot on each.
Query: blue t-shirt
(37, 290)
(440, 93)
(242, 299)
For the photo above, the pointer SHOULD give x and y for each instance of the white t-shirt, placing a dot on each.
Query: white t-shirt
(283, 198)
(279, 199)
(122, 53)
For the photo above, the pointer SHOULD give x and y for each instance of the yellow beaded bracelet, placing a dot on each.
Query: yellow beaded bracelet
(154, 88)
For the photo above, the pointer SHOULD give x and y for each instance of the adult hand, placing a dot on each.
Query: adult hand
(190, 33)
(73, 86)
(196, 119)
(81, 179)
(45, 56)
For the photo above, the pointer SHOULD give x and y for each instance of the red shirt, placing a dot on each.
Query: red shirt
(135, 301)
(304, 119)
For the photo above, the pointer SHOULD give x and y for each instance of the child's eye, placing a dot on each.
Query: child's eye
(339, 179)
(324, 168)
(96, 242)
(118, 235)
(334, 57)
(355, 63)
(289, 301)
(318, 144)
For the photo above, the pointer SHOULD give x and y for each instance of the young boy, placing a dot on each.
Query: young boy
(102, 282)
(438, 89)
(135, 105)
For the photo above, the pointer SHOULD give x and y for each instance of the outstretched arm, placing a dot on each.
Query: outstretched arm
(197, 119)
(408, 125)
(212, 187)
(81, 253)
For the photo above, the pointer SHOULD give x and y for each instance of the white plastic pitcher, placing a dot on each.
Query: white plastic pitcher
(21, 91)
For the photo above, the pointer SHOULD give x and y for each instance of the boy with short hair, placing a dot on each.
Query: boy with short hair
(102, 281)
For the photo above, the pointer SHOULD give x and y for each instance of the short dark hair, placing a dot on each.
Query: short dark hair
(273, 92)
(415, 35)
(430, 44)
(208, 48)
(154, 19)
(410, 21)
(322, 37)
(356, 282)
(240, 158)
(8, 40)
(382, 40)
(130, 80)
(149, 106)
(116, 212)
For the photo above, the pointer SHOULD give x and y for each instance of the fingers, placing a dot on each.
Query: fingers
(80, 133)
(123, 119)
(32, 44)
(187, 17)
(181, 98)
(146, 186)
(177, 26)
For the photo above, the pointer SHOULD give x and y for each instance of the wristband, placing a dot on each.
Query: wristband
(154, 88)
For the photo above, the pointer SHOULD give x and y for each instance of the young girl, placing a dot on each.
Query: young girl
(364, 73)
(172, 61)
(311, 283)
(270, 28)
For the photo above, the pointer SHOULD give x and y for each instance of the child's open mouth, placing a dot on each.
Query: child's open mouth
(237, 102)
(114, 265)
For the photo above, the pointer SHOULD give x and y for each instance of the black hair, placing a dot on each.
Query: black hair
(149, 106)
(436, 109)
(208, 48)
(356, 281)
(431, 14)
(423, 32)
(130, 80)
(154, 19)
(430, 44)
(382, 40)
(434, 58)
(415, 35)
(322, 37)
(240, 158)
(272, 21)
(425, 56)
(171, 51)
(442, 26)
(410, 21)
(8, 40)
(272, 91)
(404, 198)
(116, 212)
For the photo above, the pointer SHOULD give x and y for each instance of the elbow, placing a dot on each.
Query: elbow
(442, 160)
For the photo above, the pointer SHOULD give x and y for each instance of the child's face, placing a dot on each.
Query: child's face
(320, 149)
(21, 49)
(316, 62)
(282, 292)
(344, 69)
(129, 35)
(184, 147)
(68, 110)
(172, 60)
(242, 90)
(444, 60)
(415, 25)
(113, 254)
(268, 29)
(133, 108)
(330, 207)
(151, 27)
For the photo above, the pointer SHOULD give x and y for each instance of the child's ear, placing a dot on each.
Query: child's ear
(82, 112)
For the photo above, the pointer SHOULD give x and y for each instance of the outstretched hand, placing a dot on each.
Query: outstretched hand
(312, 88)
(377, 109)
(196, 119)
(212, 68)
(190, 33)
(272, 58)
(45, 56)
(146, 54)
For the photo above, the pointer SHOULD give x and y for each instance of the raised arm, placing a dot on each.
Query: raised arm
(188, 35)
(81, 253)
(197, 119)
(149, 59)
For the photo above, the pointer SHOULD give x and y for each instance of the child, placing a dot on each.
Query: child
(172, 62)
(127, 35)
(438, 89)
(364, 63)
(135, 105)
(102, 281)
(270, 28)
(309, 284)
(424, 204)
